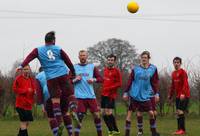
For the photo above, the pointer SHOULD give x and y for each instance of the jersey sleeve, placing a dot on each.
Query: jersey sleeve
(68, 62)
(155, 82)
(97, 75)
(185, 84)
(130, 80)
(30, 57)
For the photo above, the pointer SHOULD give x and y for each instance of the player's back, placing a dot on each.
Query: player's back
(51, 61)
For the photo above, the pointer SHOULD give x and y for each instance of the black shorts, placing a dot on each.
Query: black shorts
(107, 102)
(24, 115)
(182, 104)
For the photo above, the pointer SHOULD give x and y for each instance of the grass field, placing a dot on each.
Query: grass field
(165, 125)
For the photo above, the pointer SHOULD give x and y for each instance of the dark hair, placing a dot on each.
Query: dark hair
(112, 56)
(50, 37)
(146, 53)
(178, 58)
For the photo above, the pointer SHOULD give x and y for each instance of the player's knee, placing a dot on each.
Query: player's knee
(151, 114)
(50, 119)
(180, 112)
(23, 125)
(108, 112)
(155, 112)
(96, 115)
(139, 113)
(128, 116)
(55, 100)
(67, 113)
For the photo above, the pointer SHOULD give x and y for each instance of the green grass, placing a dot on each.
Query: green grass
(166, 125)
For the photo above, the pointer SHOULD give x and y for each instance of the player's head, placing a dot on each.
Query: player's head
(177, 61)
(111, 59)
(83, 55)
(145, 57)
(26, 71)
(50, 38)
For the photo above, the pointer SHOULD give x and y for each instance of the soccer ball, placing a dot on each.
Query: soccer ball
(132, 7)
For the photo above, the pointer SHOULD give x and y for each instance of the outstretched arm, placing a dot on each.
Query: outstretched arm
(30, 57)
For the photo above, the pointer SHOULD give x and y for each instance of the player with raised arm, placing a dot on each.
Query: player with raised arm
(54, 61)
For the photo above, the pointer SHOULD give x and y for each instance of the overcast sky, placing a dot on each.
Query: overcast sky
(164, 36)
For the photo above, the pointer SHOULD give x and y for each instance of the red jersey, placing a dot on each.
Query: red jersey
(24, 97)
(112, 81)
(180, 84)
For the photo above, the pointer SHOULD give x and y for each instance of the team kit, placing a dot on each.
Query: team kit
(66, 92)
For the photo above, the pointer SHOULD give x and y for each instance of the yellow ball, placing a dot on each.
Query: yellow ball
(132, 7)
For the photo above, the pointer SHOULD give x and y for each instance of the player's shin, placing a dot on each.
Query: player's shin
(54, 126)
(68, 123)
(97, 121)
(127, 128)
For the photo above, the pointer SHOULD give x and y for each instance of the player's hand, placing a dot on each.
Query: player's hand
(90, 81)
(182, 97)
(125, 97)
(43, 109)
(157, 99)
(30, 89)
(18, 68)
(78, 78)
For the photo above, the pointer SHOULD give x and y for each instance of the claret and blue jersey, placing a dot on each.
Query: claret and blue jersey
(50, 59)
(83, 89)
(141, 88)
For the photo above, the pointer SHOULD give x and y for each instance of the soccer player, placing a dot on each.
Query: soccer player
(44, 99)
(53, 61)
(180, 86)
(87, 74)
(142, 86)
(24, 88)
(112, 81)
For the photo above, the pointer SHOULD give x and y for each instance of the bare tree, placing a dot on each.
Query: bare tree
(125, 52)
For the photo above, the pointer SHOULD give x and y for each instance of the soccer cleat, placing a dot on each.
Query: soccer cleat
(174, 133)
(115, 132)
(60, 130)
(140, 134)
(179, 132)
(156, 134)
